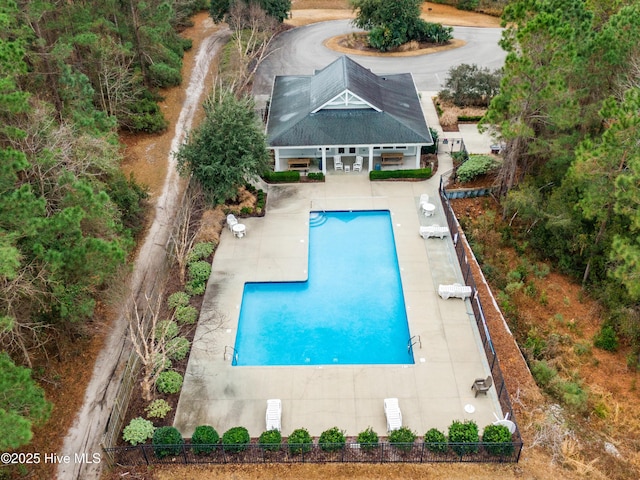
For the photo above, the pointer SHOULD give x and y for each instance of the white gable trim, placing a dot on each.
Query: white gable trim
(346, 100)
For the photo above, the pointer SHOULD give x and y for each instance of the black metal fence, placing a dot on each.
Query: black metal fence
(496, 372)
(315, 453)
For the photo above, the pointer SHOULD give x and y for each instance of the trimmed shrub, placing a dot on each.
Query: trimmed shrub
(420, 173)
(319, 176)
(464, 432)
(606, 339)
(368, 439)
(497, 440)
(167, 441)
(138, 431)
(161, 362)
(235, 439)
(199, 271)
(332, 439)
(204, 438)
(292, 176)
(270, 440)
(177, 348)
(474, 167)
(195, 288)
(299, 441)
(178, 299)
(163, 75)
(186, 315)
(169, 382)
(402, 439)
(200, 251)
(158, 409)
(166, 330)
(435, 441)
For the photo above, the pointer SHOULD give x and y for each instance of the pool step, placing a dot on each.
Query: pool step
(317, 218)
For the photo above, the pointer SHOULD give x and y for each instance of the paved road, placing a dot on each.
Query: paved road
(300, 51)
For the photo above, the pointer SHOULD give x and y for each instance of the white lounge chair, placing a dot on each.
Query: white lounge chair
(434, 230)
(357, 166)
(393, 414)
(231, 221)
(337, 162)
(456, 290)
(273, 415)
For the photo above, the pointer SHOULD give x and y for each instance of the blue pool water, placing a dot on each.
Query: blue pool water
(350, 311)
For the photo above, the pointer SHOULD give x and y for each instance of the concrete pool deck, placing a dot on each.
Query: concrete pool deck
(432, 392)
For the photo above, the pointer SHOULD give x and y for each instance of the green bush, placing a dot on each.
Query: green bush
(299, 441)
(158, 409)
(186, 315)
(469, 5)
(166, 330)
(177, 348)
(432, 148)
(292, 176)
(435, 441)
(169, 382)
(161, 362)
(332, 439)
(195, 288)
(144, 114)
(474, 167)
(497, 440)
(162, 75)
(606, 339)
(204, 438)
(138, 431)
(235, 439)
(420, 173)
(200, 251)
(178, 299)
(402, 439)
(464, 432)
(571, 394)
(543, 373)
(319, 176)
(368, 439)
(270, 440)
(199, 271)
(469, 118)
(167, 441)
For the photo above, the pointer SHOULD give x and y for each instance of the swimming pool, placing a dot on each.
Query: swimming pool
(350, 311)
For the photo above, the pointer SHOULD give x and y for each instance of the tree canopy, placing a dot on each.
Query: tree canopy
(227, 149)
(392, 24)
(278, 9)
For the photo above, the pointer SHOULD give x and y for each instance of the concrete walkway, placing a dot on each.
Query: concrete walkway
(432, 392)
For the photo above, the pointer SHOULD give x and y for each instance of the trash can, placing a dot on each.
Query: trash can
(378, 167)
(320, 164)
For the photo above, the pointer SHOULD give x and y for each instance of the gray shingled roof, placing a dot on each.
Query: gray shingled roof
(400, 120)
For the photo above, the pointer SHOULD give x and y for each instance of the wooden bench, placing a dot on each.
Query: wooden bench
(391, 158)
(299, 163)
(455, 290)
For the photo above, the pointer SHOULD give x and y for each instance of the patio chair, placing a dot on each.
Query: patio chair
(231, 221)
(357, 166)
(424, 198)
(337, 162)
(482, 385)
(393, 414)
(434, 230)
(273, 414)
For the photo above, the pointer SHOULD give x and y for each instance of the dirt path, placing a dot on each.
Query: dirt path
(91, 420)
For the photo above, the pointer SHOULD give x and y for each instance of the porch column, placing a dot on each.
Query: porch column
(324, 160)
(370, 158)
(276, 166)
(419, 149)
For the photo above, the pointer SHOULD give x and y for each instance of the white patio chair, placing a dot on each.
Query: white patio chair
(357, 166)
(393, 414)
(273, 414)
(337, 162)
(424, 198)
(231, 221)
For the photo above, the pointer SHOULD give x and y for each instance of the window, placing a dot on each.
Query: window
(352, 150)
(340, 150)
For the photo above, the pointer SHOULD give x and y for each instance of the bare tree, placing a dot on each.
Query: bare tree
(183, 235)
(253, 31)
(148, 337)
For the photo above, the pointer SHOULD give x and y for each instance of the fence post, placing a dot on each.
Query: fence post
(144, 454)
(184, 454)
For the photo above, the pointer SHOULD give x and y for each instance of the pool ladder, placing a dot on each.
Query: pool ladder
(233, 354)
(412, 341)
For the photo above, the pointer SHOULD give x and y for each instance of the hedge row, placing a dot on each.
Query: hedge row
(420, 173)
